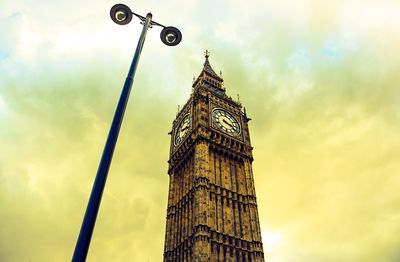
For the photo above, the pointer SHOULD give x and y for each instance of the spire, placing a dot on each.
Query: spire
(208, 77)
(207, 67)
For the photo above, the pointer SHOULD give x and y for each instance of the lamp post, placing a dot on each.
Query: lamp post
(171, 36)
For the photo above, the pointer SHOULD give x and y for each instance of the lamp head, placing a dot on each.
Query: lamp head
(121, 14)
(171, 36)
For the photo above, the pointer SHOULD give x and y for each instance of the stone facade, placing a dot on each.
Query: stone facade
(212, 210)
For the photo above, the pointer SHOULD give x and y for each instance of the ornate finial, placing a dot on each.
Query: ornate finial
(178, 109)
(239, 99)
(206, 54)
(220, 73)
(246, 119)
(194, 79)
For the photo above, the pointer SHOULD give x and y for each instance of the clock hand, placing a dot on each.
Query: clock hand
(226, 122)
(186, 127)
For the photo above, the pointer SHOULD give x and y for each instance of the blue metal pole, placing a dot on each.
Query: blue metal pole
(85, 235)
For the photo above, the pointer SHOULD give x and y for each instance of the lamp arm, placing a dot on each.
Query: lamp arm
(143, 19)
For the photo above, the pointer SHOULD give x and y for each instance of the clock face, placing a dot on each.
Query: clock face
(182, 130)
(225, 122)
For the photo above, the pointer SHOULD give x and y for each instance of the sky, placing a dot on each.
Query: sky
(320, 80)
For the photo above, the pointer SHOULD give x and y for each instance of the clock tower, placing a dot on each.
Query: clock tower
(212, 209)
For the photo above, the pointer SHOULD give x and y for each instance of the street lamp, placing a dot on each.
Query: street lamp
(171, 36)
(122, 15)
